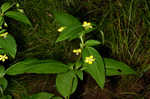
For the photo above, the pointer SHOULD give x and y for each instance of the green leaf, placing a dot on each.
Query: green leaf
(37, 66)
(6, 97)
(2, 71)
(66, 83)
(57, 98)
(72, 24)
(6, 6)
(88, 31)
(21, 17)
(20, 67)
(79, 73)
(114, 67)
(66, 19)
(2, 31)
(8, 44)
(1, 21)
(3, 83)
(41, 95)
(48, 67)
(71, 32)
(96, 70)
(92, 43)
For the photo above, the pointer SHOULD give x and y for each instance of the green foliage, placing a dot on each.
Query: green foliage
(2, 71)
(96, 70)
(94, 65)
(79, 73)
(42, 95)
(18, 16)
(72, 26)
(92, 43)
(69, 32)
(66, 83)
(37, 66)
(6, 6)
(56, 98)
(1, 20)
(114, 67)
(9, 46)
(3, 83)
(65, 19)
(6, 97)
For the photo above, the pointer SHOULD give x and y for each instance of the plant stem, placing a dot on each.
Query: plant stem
(82, 41)
(1, 90)
(67, 97)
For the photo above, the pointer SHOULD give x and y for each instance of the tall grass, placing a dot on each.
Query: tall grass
(126, 28)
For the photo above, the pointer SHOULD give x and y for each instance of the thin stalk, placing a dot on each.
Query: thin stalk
(1, 90)
(82, 42)
(130, 15)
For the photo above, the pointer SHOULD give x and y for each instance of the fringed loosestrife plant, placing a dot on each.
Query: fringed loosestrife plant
(89, 59)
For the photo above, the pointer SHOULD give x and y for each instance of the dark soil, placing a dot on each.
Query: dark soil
(117, 87)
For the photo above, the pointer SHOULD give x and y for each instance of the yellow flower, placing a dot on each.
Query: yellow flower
(3, 57)
(4, 35)
(61, 29)
(89, 60)
(87, 25)
(77, 51)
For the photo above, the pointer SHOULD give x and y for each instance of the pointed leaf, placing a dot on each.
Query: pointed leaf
(37, 66)
(49, 67)
(1, 21)
(21, 17)
(2, 71)
(6, 6)
(8, 44)
(2, 31)
(69, 32)
(79, 73)
(41, 95)
(96, 70)
(66, 19)
(66, 83)
(3, 83)
(114, 67)
(92, 43)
